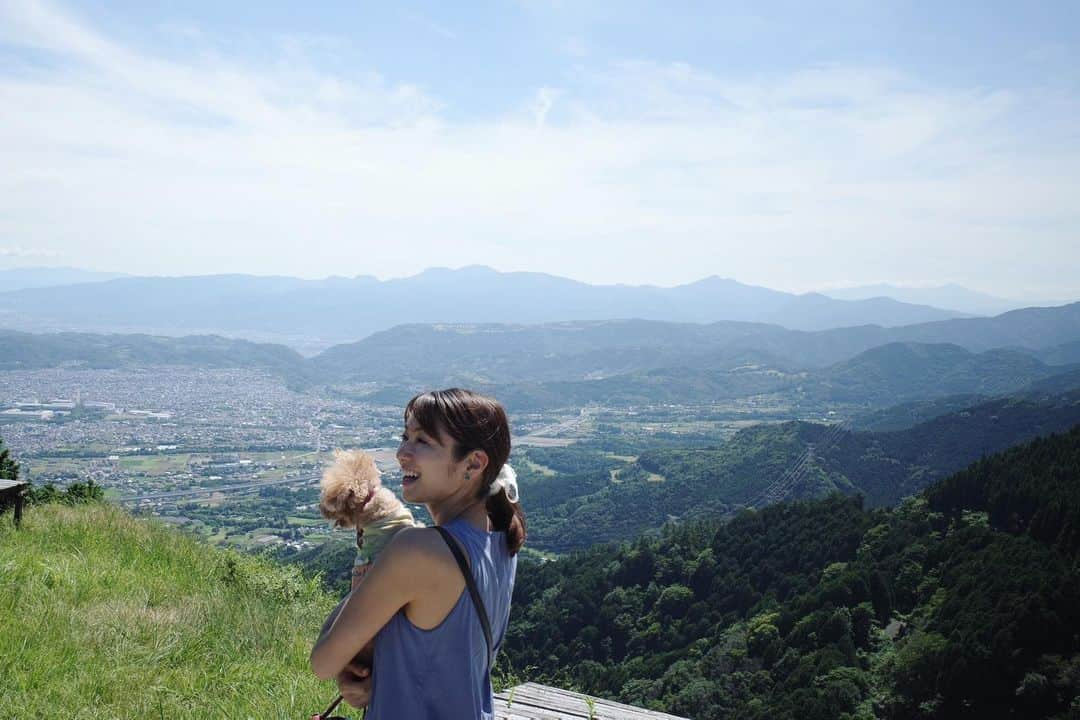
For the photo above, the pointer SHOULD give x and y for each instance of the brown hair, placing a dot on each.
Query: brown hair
(475, 422)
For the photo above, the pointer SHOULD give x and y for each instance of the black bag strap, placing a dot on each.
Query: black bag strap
(471, 584)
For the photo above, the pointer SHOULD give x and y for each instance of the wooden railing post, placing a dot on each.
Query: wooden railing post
(19, 499)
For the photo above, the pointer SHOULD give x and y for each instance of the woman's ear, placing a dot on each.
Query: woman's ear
(478, 462)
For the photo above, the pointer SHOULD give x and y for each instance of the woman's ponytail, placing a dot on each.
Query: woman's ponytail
(507, 517)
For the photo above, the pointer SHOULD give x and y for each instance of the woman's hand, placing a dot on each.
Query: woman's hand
(354, 684)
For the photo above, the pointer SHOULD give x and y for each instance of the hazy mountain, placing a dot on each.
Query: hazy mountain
(905, 415)
(901, 372)
(879, 377)
(547, 352)
(909, 414)
(314, 314)
(1055, 384)
(634, 360)
(1065, 354)
(26, 351)
(38, 277)
(580, 351)
(952, 296)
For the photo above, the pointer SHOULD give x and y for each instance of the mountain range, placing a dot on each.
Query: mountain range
(627, 361)
(40, 277)
(951, 296)
(311, 315)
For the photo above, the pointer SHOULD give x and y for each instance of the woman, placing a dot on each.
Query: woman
(431, 657)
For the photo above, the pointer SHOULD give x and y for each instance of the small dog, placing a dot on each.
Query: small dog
(352, 495)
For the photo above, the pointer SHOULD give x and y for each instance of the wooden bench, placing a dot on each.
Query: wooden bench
(540, 702)
(13, 492)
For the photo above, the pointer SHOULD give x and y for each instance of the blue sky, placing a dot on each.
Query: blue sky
(781, 144)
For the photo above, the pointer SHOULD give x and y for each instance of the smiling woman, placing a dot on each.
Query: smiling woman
(433, 651)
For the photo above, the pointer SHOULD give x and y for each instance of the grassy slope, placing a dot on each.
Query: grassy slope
(106, 616)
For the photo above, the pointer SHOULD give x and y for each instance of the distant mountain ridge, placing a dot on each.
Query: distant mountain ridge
(877, 378)
(628, 361)
(26, 351)
(951, 297)
(578, 360)
(901, 372)
(38, 277)
(314, 314)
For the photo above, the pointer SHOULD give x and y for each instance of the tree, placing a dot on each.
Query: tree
(9, 469)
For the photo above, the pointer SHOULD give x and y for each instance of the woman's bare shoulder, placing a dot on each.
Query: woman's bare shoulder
(421, 545)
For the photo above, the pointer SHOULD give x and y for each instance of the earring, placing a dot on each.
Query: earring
(468, 477)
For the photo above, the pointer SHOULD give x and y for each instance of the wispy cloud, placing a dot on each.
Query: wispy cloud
(17, 251)
(542, 102)
(635, 171)
(430, 25)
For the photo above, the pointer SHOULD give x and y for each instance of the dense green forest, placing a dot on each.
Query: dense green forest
(904, 415)
(595, 496)
(959, 603)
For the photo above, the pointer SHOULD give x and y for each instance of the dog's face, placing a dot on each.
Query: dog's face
(348, 486)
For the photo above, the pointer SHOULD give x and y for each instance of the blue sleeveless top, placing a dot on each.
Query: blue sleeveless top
(440, 674)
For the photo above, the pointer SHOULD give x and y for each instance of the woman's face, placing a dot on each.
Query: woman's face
(429, 473)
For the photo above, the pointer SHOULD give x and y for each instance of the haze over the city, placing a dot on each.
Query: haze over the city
(794, 147)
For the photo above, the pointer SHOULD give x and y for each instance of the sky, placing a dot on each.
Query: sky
(793, 145)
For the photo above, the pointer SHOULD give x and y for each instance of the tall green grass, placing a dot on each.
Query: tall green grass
(103, 615)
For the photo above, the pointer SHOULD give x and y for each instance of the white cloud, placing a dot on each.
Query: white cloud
(18, 251)
(545, 98)
(631, 172)
(430, 25)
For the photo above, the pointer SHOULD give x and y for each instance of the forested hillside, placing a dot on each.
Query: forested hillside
(961, 603)
(27, 351)
(597, 498)
(899, 372)
(877, 378)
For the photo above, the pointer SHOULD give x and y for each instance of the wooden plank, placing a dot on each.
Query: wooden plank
(574, 704)
(532, 701)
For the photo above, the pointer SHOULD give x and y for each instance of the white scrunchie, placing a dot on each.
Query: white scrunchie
(507, 480)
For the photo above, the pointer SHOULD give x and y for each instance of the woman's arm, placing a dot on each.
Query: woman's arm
(393, 581)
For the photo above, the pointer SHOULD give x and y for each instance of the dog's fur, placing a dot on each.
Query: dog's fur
(346, 484)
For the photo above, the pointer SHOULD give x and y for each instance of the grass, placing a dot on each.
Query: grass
(542, 469)
(103, 615)
(154, 464)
